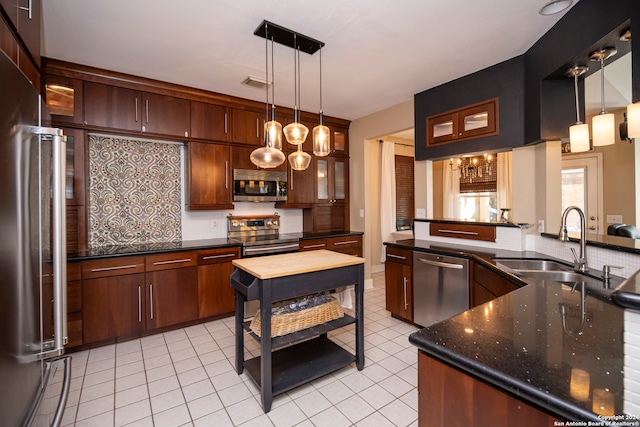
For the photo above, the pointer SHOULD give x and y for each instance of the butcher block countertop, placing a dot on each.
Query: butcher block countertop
(269, 267)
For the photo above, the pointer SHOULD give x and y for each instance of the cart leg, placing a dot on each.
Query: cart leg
(265, 346)
(240, 300)
(359, 290)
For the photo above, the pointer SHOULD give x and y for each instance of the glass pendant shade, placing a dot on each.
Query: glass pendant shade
(267, 157)
(604, 130)
(273, 134)
(579, 137)
(321, 141)
(299, 160)
(633, 120)
(296, 133)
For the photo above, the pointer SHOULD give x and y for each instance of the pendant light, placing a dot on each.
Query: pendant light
(554, 6)
(295, 132)
(633, 120)
(269, 156)
(299, 160)
(321, 133)
(578, 133)
(603, 125)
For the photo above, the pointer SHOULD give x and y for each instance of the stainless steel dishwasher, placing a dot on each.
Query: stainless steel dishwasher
(440, 287)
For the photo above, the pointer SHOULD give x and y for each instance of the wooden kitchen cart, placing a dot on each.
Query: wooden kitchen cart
(308, 354)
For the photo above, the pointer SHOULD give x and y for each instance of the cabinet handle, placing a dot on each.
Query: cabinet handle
(396, 256)
(151, 299)
(225, 123)
(348, 242)
(319, 245)
(217, 256)
(28, 9)
(119, 267)
(404, 286)
(226, 174)
(291, 178)
(147, 108)
(467, 233)
(136, 109)
(173, 261)
(139, 304)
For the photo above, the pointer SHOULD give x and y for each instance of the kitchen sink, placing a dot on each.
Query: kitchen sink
(536, 265)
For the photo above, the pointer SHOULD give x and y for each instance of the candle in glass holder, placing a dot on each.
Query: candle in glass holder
(579, 388)
(603, 402)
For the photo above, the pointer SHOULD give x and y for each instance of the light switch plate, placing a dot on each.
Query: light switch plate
(420, 213)
(361, 213)
(614, 219)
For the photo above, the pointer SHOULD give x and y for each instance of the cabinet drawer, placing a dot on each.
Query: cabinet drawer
(313, 244)
(170, 261)
(493, 282)
(400, 256)
(351, 245)
(112, 267)
(217, 256)
(464, 231)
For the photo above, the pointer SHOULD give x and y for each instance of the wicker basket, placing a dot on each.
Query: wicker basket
(283, 324)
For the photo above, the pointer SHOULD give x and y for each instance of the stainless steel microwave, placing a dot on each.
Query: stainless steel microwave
(259, 185)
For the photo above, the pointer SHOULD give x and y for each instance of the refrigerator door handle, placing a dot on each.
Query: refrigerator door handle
(58, 141)
(64, 394)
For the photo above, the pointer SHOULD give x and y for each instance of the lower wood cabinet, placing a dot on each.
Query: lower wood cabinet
(398, 278)
(215, 294)
(350, 245)
(450, 397)
(487, 285)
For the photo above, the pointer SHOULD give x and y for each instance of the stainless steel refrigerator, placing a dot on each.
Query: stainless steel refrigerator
(34, 375)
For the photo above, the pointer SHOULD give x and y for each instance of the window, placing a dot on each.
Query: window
(404, 192)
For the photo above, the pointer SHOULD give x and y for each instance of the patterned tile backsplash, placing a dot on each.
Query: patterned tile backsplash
(134, 191)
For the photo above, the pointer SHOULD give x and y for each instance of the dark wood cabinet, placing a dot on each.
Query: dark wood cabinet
(74, 304)
(487, 285)
(472, 121)
(113, 295)
(241, 159)
(248, 127)
(210, 121)
(450, 397)
(13, 45)
(209, 184)
(325, 218)
(63, 97)
(215, 294)
(126, 109)
(330, 211)
(398, 277)
(300, 187)
(350, 245)
(172, 296)
(25, 17)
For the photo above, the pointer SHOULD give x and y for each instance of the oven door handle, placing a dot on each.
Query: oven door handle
(269, 248)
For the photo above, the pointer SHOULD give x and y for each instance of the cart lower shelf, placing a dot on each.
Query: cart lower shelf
(298, 364)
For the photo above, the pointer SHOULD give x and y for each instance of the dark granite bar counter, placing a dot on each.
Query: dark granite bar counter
(458, 221)
(530, 341)
(151, 248)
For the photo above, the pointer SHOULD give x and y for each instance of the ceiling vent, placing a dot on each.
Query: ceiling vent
(255, 82)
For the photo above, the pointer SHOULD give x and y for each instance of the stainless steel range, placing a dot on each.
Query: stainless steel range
(260, 235)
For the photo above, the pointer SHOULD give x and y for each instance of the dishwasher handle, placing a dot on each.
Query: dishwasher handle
(441, 264)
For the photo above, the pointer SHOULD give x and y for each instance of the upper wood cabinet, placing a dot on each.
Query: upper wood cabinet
(465, 123)
(209, 182)
(248, 127)
(126, 109)
(63, 97)
(300, 186)
(332, 178)
(210, 121)
(25, 16)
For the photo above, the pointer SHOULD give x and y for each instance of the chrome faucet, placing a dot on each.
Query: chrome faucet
(580, 263)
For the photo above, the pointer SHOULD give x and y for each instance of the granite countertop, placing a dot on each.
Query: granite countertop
(184, 245)
(518, 342)
(151, 248)
(459, 221)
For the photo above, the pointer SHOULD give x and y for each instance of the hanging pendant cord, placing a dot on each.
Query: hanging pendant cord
(602, 85)
(273, 84)
(321, 114)
(575, 82)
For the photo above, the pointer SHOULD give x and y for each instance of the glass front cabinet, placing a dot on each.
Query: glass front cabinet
(465, 123)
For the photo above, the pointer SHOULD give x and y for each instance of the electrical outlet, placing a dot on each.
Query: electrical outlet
(420, 213)
(214, 224)
(541, 226)
(614, 219)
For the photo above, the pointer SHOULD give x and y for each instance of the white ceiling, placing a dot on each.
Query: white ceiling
(378, 53)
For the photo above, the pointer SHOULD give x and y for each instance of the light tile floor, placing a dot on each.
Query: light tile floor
(186, 378)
